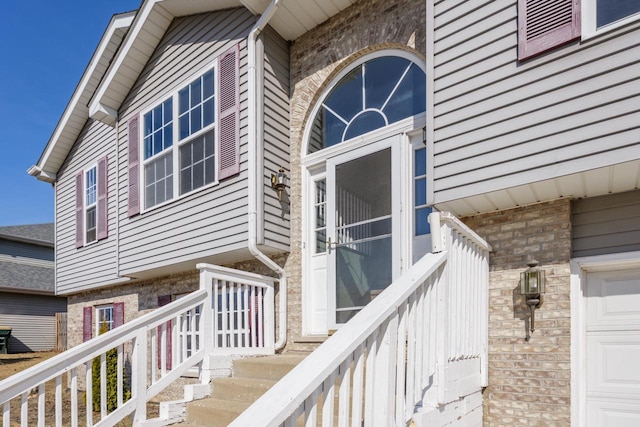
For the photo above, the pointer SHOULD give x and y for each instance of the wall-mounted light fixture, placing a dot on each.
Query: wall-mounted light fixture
(278, 182)
(532, 288)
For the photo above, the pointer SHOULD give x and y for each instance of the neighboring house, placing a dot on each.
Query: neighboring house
(378, 112)
(28, 303)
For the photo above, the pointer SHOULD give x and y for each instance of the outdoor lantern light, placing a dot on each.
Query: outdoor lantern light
(532, 288)
(277, 182)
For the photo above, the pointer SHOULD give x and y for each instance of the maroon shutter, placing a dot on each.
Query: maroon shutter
(101, 210)
(164, 300)
(545, 24)
(87, 323)
(118, 314)
(79, 209)
(134, 166)
(229, 110)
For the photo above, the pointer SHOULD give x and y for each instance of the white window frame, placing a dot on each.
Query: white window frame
(176, 142)
(99, 309)
(86, 206)
(589, 27)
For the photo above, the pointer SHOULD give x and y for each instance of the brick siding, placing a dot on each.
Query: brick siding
(529, 382)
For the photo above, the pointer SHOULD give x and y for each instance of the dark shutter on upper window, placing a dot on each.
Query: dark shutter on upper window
(134, 166)
(228, 112)
(545, 24)
(118, 314)
(79, 209)
(102, 214)
(87, 323)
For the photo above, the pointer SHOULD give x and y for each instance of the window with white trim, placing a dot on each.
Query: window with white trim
(104, 319)
(421, 210)
(603, 14)
(91, 198)
(179, 135)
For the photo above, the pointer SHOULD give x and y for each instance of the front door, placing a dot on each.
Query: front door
(363, 222)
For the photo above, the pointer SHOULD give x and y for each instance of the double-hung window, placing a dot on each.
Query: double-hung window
(178, 142)
(91, 203)
(91, 193)
(189, 140)
(104, 319)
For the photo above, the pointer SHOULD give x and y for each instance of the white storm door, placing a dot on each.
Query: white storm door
(363, 226)
(613, 349)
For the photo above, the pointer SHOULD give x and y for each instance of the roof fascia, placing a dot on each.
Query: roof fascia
(117, 22)
(37, 242)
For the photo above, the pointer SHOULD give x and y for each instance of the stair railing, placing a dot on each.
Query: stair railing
(398, 353)
(114, 375)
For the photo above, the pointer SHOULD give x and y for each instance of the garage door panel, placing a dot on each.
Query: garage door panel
(613, 298)
(613, 362)
(612, 413)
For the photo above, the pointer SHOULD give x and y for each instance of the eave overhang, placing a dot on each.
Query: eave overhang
(76, 113)
(292, 19)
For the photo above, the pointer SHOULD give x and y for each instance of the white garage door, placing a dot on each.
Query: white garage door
(613, 349)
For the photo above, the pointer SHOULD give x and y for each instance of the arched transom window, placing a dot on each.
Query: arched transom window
(373, 95)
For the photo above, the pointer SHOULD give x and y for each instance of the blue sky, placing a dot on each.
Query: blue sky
(45, 48)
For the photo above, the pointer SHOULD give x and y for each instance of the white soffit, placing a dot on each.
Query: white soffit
(292, 19)
(77, 112)
(616, 178)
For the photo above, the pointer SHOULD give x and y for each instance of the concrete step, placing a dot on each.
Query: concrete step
(251, 378)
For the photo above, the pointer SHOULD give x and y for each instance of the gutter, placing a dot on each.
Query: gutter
(253, 171)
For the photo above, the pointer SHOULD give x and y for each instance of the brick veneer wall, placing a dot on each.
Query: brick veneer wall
(316, 58)
(529, 382)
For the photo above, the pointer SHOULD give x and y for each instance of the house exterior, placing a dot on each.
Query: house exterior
(377, 113)
(28, 303)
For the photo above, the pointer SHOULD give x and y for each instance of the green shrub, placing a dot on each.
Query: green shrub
(112, 381)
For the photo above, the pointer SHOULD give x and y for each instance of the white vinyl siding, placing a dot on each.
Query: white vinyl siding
(205, 223)
(499, 123)
(94, 264)
(275, 115)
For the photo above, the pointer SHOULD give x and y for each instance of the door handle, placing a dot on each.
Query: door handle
(329, 244)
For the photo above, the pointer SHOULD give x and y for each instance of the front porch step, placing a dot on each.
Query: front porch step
(251, 378)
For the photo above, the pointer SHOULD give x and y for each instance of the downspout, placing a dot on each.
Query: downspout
(253, 172)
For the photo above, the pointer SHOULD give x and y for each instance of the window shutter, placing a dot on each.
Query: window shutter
(87, 323)
(118, 314)
(134, 166)
(79, 209)
(164, 300)
(228, 114)
(102, 215)
(545, 24)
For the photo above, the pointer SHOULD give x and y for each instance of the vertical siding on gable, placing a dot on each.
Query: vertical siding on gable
(496, 119)
(94, 264)
(275, 114)
(211, 221)
(32, 319)
(605, 225)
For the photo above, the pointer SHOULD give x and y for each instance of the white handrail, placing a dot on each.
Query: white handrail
(401, 352)
(160, 346)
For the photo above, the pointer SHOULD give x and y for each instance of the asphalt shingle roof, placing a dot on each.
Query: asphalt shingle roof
(26, 277)
(35, 232)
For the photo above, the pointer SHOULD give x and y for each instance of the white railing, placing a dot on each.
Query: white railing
(231, 313)
(399, 353)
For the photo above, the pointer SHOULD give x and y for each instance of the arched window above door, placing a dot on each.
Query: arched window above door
(372, 95)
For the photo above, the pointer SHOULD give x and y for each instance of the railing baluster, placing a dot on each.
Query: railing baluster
(6, 413)
(344, 393)
(358, 387)
(225, 314)
(41, 404)
(328, 406)
(247, 309)
(260, 325)
(253, 327)
(24, 409)
(401, 366)
(369, 384)
(120, 376)
(311, 409)
(103, 385)
(74, 397)
(58, 400)
(89, 392)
